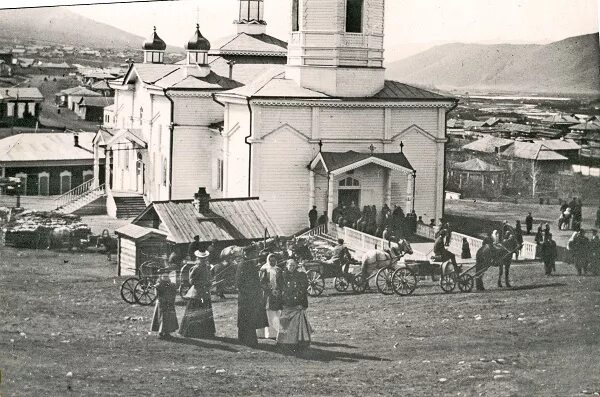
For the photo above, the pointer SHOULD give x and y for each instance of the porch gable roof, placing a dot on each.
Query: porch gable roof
(129, 135)
(337, 162)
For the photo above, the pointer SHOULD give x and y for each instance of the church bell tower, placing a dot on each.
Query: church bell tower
(251, 17)
(336, 46)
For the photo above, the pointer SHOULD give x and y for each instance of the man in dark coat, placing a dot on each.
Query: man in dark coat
(322, 219)
(483, 259)
(251, 311)
(193, 247)
(442, 254)
(313, 215)
(529, 223)
(549, 253)
(579, 247)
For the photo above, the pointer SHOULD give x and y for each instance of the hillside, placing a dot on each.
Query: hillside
(58, 25)
(570, 66)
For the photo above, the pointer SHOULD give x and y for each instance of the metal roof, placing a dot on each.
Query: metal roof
(46, 147)
(476, 165)
(559, 144)
(247, 44)
(532, 151)
(488, 144)
(26, 93)
(227, 220)
(100, 102)
(337, 160)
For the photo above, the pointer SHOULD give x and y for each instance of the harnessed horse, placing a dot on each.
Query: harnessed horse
(376, 259)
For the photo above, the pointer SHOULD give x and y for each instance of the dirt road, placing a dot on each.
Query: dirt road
(61, 313)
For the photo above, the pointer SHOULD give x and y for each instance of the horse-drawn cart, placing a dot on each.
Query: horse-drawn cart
(404, 280)
(319, 271)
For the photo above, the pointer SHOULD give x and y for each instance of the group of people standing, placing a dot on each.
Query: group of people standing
(570, 215)
(272, 304)
(585, 252)
(387, 223)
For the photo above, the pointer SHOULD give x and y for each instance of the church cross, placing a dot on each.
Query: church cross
(372, 149)
(401, 146)
(320, 146)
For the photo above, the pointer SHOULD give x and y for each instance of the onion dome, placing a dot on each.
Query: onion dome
(197, 42)
(154, 43)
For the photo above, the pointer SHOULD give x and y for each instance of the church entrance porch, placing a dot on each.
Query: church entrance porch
(343, 179)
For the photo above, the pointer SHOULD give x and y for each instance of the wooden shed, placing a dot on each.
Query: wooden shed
(136, 245)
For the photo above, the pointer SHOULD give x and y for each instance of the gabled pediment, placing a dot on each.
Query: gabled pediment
(288, 128)
(415, 129)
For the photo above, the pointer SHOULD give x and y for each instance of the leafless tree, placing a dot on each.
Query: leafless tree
(534, 173)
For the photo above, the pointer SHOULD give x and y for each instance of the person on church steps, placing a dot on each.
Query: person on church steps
(271, 281)
(335, 214)
(313, 215)
(549, 253)
(251, 311)
(294, 330)
(164, 320)
(193, 247)
(198, 321)
(440, 251)
(466, 250)
(323, 219)
(528, 223)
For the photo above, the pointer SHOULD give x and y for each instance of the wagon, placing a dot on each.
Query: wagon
(404, 280)
(318, 271)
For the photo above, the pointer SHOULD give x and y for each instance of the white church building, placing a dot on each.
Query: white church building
(324, 129)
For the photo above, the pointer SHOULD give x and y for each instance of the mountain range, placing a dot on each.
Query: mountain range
(58, 25)
(570, 66)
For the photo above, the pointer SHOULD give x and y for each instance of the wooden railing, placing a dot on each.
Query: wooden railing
(76, 193)
(527, 251)
(317, 231)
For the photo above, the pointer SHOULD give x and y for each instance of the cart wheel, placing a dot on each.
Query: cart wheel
(404, 281)
(316, 283)
(183, 289)
(127, 290)
(341, 284)
(145, 293)
(358, 285)
(465, 283)
(447, 282)
(383, 280)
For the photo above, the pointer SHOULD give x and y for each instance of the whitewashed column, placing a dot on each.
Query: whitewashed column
(388, 187)
(311, 189)
(107, 170)
(409, 192)
(330, 197)
(96, 182)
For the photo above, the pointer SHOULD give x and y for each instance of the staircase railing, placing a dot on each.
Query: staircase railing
(76, 193)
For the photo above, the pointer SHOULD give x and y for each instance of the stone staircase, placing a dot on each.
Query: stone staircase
(129, 206)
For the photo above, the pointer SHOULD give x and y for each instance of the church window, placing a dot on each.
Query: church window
(349, 182)
(354, 15)
(141, 114)
(295, 15)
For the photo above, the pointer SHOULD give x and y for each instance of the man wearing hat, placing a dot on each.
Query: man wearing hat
(442, 254)
(198, 321)
(193, 247)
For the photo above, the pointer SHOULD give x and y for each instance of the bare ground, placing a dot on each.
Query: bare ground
(61, 313)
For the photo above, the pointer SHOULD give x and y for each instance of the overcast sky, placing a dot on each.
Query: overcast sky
(407, 21)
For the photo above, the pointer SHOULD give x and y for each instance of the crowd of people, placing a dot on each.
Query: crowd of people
(570, 215)
(386, 223)
(272, 304)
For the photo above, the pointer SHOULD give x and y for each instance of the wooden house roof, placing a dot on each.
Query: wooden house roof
(31, 147)
(227, 220)
(476, 165)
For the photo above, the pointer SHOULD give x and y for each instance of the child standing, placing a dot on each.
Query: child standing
(165, 319)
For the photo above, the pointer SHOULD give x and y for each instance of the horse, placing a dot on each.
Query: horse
(376, 259)
(502, 252)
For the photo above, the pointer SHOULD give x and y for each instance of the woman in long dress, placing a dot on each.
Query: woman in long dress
(294, 328)
(198, 321)
(164, 320)
(251, 310)
(271, 281)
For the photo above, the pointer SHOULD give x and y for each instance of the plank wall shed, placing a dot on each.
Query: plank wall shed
(136, 245)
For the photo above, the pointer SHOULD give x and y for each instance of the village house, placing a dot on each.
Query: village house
(48, 163)
(92, 108)
(70, 96)
(324, 129)
(20, 106)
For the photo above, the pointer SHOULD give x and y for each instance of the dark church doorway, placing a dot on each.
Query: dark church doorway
(348, 196)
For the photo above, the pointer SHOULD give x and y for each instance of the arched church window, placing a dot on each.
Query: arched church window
(349, 182)
(141, 114)
(354, 16)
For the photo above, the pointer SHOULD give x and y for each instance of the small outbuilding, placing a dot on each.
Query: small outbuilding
(476, 176)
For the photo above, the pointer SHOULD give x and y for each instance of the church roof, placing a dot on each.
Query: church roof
(336, 160)
(177, 77)
(250, 44)
(476, 165)
(245, 73)
(273, 84)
